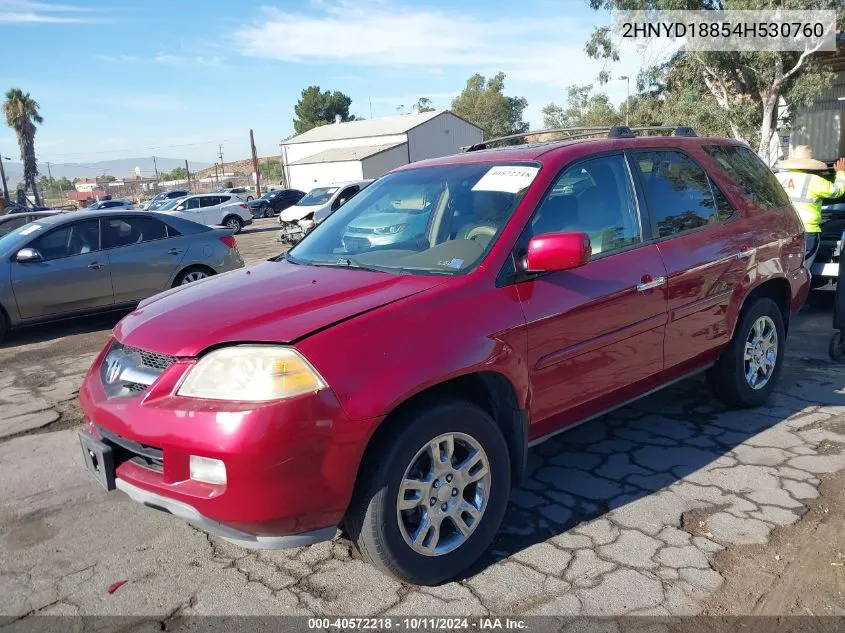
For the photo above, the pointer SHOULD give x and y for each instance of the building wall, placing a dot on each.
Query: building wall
(441, 136)
(380, 164)
(822, 125)
(298, 151)
(306, 177)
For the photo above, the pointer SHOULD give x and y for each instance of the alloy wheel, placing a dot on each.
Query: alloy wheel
(761, 352)
(443, 494)
(195, 275)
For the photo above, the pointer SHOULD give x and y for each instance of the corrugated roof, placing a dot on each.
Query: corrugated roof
(384, 126)
(339, 154)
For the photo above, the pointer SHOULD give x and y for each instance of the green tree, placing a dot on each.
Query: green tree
(483, 103)
(21, 112)
(107, 178)
(423, 104)
(317, 108)
(179, 173)
(583, 109)
(743, 87)
(271, 171)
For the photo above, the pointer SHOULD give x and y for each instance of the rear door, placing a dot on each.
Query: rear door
(705, 248)
(73, 274)
(143, 253)
(594, 331)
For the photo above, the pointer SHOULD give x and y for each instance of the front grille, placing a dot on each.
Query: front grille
(153, 359)
(359, 229)
(128, 450)
(355, 244)
(129, 371)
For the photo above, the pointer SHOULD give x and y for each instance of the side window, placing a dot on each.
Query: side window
(746, 168)
(224, 199)
(73, 239)
(594, 197)
(344, 197)
(12, 224)
(192, 203)
(679, 194)
(208, 201)
(125, 231)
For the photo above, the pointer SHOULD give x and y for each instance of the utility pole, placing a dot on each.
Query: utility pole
(50, 176)
(189, 175)
(284, 182)
(220, 154)
(3, 178)
(155, 166)
(216, 176)
(255, 166)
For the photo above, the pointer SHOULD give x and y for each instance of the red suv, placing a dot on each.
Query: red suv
(393, 389)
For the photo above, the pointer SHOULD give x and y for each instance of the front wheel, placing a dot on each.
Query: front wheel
(233, 222)
(431, 498)
(748, 370)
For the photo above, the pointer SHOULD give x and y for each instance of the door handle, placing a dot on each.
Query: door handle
(96, 265)
(745, 253)
(175, 251)
(648, 284)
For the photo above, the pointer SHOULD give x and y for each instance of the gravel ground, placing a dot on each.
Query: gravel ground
(645, 511)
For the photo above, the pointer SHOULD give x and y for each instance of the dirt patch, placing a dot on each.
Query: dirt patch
(801, 571)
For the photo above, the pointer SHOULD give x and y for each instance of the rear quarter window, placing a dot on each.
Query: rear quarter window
(746, 168)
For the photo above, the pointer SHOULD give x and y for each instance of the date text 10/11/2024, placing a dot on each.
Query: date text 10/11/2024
(418, 624)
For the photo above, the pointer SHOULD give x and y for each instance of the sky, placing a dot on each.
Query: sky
(178, 78)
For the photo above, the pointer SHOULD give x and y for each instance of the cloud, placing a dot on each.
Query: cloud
(544, 49)
(29, 12)
(213, 61)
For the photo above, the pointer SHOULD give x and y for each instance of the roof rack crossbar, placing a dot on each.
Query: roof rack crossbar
(615, 131)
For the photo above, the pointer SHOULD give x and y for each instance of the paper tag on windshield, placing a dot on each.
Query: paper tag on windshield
(507, 178)
(30, 229)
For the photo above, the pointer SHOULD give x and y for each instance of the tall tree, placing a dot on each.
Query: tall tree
(484, 103)
(423, 104)
(583, 109)
(316, 107)
(21, 112)
(746, 86)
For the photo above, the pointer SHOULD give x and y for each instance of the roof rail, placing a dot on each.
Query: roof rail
(615, 131)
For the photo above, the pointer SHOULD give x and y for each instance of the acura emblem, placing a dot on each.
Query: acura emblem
(113, 370)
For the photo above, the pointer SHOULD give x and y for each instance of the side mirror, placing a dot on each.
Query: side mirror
(180, 207)
(552, 252)
(28, 255)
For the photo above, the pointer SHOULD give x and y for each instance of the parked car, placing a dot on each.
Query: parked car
(212, 209)
(9, 223)
(166, 196)
(75, 263)
(242, 192)
(110, 204)
(273, 202)
(394, 220)
(396, 390)
(315, 207)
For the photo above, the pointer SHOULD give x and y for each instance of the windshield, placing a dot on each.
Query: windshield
(170, 204)
(434, 220)
(19, 235)
(320, 195)
(270, 194)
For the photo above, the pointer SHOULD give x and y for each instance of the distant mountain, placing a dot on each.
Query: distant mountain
(121, 167)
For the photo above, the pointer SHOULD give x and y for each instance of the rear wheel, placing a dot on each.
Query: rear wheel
(192, 274)
(268, 211)
(4, 325)
(233, 222)
(432, 496)
(748, 370)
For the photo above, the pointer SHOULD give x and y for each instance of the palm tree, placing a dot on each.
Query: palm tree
(22, 116)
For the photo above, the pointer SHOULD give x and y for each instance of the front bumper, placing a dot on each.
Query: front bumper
(290, 465)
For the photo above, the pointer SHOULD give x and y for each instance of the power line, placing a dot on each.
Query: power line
(143, 149)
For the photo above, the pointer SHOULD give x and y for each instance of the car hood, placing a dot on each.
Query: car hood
(257, 202)
(297, 212)
(274, 302)
(381, 220)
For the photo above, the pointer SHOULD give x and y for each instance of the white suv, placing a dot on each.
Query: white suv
(213, 209)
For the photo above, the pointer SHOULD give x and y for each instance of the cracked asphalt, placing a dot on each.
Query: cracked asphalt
(622, 515)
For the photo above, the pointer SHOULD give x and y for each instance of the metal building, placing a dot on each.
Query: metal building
(370, 148)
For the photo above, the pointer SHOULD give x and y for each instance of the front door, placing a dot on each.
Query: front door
(73, 274)
(593, 331)
(142, 257)
(700, 238)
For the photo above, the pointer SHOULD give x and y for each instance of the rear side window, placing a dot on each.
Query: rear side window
(14, 223)
(224, 199)
(119, 232)
(751, 173)
(679, 193)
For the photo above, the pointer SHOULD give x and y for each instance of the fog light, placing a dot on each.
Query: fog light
(211, 471)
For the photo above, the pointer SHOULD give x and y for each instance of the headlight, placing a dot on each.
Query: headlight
(307, 224)
(255, 373)
(396, 228)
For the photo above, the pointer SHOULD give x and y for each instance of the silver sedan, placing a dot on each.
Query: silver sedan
(75, 263)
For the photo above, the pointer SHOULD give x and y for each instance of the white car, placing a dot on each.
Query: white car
(110, 204)
(212, 209)
(316, 206)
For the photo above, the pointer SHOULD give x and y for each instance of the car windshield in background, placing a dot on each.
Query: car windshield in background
(270, 194)
(432, 220)
(12, 237)
(317, 196)
(170, 204)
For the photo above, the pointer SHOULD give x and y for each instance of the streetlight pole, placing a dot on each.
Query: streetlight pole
(3, 178)
(627, 99)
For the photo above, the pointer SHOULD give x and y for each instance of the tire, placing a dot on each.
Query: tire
(379, 529)
(268, 212)
(233, 222)
(4, 324)
(727, 378)
(834, 349)
(192, 274)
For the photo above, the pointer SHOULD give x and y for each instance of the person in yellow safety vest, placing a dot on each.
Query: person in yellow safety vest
(806, 190)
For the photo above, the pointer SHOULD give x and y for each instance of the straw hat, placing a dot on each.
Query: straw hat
(802, 158)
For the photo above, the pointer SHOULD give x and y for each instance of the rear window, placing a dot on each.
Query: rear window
(745, 167)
